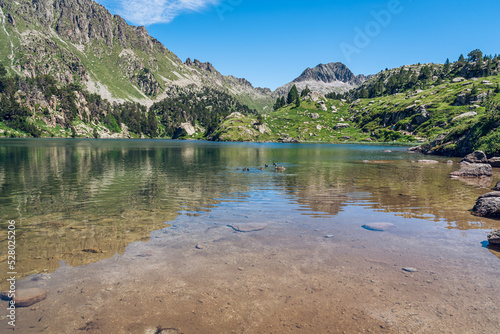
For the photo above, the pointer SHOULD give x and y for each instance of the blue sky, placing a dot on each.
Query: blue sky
(271, 42)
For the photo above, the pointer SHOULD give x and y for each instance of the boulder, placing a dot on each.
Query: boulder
(461, 99)
(488, 205)
(497, 186)
(473, 170)
(494, 162)
(415, 149)
(26, 297)
(314, 115)
(458, 79)
(314, 97)
(340, 126)
(421, 116)
(494, 238)
(477, 157)
(288, 140)
(480, 98)
(262, 128)
(464, 115)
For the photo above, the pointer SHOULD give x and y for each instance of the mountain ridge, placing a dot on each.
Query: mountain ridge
(80, 41)
(325, 78)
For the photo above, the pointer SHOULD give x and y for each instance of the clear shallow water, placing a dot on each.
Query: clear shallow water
(85, 200)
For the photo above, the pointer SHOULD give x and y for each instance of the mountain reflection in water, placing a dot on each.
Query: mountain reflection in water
(85, 200)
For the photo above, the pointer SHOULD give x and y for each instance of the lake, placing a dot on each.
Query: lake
(173, 236)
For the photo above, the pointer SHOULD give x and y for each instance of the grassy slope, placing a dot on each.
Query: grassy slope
(370, 119)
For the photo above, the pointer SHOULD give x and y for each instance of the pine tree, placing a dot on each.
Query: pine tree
(277, 104)
(475, 55)
(297, 101)
(292, 95)
(461, 60)
(446, 67)
(425, 73)
(305, 92)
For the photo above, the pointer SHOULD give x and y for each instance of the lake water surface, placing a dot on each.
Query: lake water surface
(84, 206)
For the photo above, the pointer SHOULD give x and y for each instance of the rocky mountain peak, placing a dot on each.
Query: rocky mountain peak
(328, 73)
(325, 78)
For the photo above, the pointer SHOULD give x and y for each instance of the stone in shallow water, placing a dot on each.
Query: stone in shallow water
(26, 297)
(329, 236)
(473, 170)
(378, 226)
(410, 270)
(428, 161)
(494, 238)
(247, 227)
(488, 205)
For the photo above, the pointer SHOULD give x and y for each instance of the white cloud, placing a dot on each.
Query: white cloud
(147, 12)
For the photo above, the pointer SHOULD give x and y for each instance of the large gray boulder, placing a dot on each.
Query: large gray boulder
(478, 157)
(461, 100)
(473, 170)
(464, 115)
(488, 205)
(421, 116)
(494, 238)
(340, 126)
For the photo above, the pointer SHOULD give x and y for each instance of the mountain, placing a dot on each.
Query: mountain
(325, 78)
(79, 41)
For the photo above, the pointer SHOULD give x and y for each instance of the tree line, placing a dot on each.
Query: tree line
(22, 98)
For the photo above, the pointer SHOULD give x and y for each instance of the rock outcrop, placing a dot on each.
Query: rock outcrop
(488, 205)
(473, 170)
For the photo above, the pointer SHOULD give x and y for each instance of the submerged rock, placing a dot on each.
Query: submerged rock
(26, 297)
(473, 170)
(410, 270)
(428, 161)
(488, 205)
(497, 186)
(378, 226)
(494, 238)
